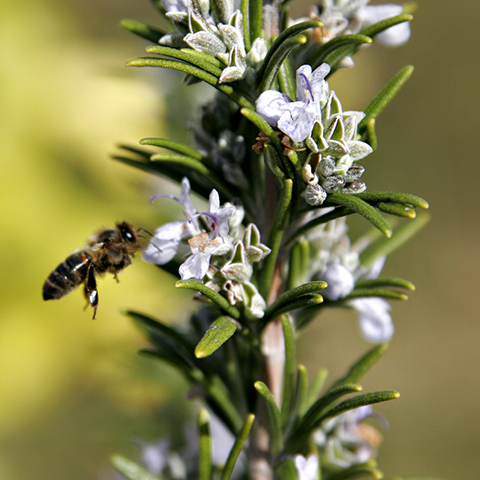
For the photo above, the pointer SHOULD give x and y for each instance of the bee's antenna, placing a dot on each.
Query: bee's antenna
(145, 238)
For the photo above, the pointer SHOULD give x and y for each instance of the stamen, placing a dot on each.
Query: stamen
(160, 195)
(208, 214)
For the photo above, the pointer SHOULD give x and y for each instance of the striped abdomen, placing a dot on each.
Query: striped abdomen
(68, 275)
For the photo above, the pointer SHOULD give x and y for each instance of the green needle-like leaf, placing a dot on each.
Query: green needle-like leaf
(205, 447)
(402, 234)
(333, 49)
(385, 282)
(374, 198)
(301, 391)
(379, 27)
(131, 470)
(218, 333)
(362, 366)
(397, 209)
(268, 74)
(174, 146)
(286, 79)
(288, 369)
(195, 72)
(360, 470)
(222, 302)
(145, 31)
(308, 300)
(359, 401)
(205, 62)
(377, 292)
(237, 447)
(275, 238)
(353, 202)
(316, 386)
(278, 45)
(385, 96)
(294, 294)
(255, 15)
(274, 416)
(310, 419)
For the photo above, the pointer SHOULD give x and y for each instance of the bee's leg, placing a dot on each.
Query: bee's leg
(90, 289)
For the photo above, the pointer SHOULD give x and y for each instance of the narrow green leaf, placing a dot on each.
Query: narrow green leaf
(395, 197)
(222, 404)
(206, 62)
(293, 294)
(330, 51)
(144, 31)
(304, 229)
(244, 7)
(278, 45)
(218, 333)
(360, 470)
(397, 209)
(255, 16)
(286, 79)
(359, 401)
(385, 96)
(385, 282)
(369, 133)
(237, 447)
(275, 238)
(288, 369)
(379, 27)
(308, 300)
(222, 302)
(377, 292)
(298, 264)
(183, 160)
(150, 324)
(205, 447)
(362, 366)
(267, 75)
(317, 385)
(273, 415)
(310, 419)
(176, 147)
(130, 469)
(195, 72)
(353, 202)
(301, 391)
(402, 234)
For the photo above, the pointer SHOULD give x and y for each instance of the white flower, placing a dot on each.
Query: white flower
(340, 282)
(206, 244)
(307, 467)
(374, 319)
(167, 239)
(393, 36)
(297, 119)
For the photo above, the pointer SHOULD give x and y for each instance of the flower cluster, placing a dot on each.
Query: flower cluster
(317, 118)
(216, 29)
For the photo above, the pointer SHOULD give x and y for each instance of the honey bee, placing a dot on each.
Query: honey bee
(108, 250)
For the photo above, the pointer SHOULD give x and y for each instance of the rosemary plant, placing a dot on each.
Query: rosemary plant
(278, 160)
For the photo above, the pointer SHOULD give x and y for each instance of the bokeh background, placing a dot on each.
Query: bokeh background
(73, 391)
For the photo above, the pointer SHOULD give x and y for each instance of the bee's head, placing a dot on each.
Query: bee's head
(128, 233)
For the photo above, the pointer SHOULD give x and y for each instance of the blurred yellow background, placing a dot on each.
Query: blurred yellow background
(73, 391)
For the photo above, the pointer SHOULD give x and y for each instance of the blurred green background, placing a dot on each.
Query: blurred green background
(73, 391)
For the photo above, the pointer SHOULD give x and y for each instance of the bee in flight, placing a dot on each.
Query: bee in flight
(108, 250)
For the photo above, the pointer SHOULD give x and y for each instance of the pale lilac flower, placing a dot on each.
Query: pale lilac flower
(393, 36)
(307, 467)
(347, 441)
(374, 319)
(297, 119)
(206, 244)
(340, 282)
(167, 239)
